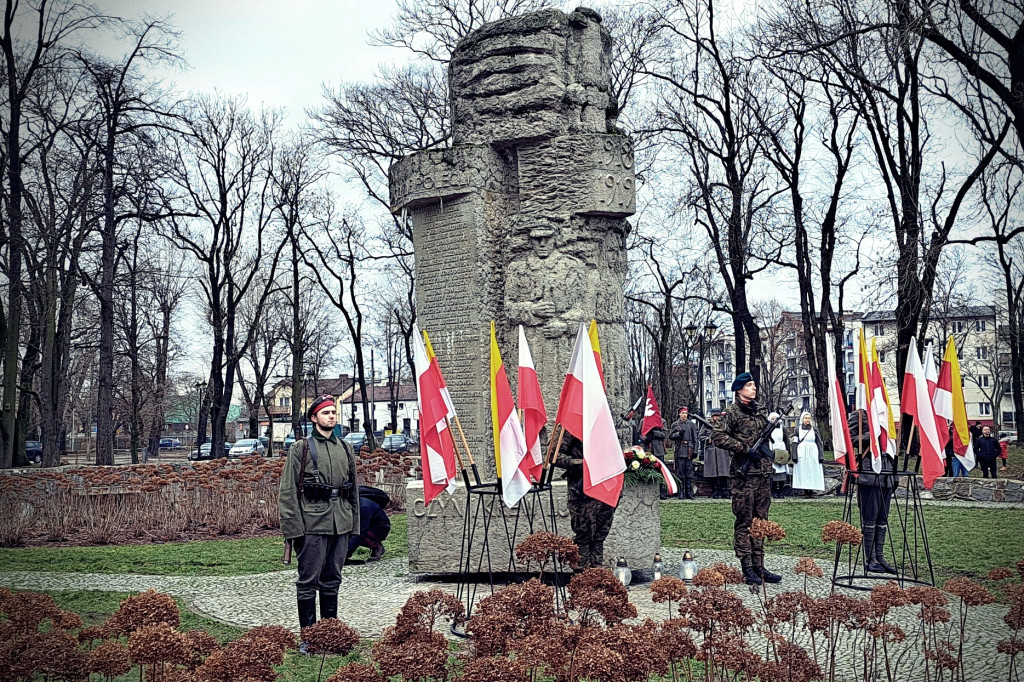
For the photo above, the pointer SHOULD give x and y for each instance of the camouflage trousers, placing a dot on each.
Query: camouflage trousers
(590, 520)
(751, 498)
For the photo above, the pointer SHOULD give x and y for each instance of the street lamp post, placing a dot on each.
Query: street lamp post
(702, 339)
(199, 386)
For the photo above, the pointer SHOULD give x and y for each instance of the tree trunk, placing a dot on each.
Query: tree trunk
(105, 294)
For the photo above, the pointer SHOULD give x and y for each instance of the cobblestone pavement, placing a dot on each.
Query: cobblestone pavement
(373, 593)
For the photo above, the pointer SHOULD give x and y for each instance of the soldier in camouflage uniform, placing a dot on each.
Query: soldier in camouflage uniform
(751, 472)
(590, 519)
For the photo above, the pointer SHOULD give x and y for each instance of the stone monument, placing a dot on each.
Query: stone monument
(523, 219)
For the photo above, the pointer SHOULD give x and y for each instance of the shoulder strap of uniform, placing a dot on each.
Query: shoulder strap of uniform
(312, 452)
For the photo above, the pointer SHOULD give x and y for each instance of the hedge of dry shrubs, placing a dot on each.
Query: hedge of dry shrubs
(102, 505)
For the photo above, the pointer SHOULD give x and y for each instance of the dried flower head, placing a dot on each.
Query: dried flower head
(668, 589)
(708, 577)
(809, 567)
(27, 610)
(422, 655)
(495, 669)
(147, 608)
(159, 643)
(1010, 647)
(55, 654)
(763, 529)
(889, 595)
(543, 546)
(842, 533)
(675, 640)
(356, 672)
(110, 659)
(92, 633)
(999, 574)
(276, 634)
(511, 614)
(784, 607)
(730, 574)
(597, 592)
(66, 620)
(713, 609)
(424, 608)
(927, 596)
(329, 636)
(969, 591)
(202, 644)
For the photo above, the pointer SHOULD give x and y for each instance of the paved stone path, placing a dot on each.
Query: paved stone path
(373, 593)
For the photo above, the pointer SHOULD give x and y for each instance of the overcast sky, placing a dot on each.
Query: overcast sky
(277, 53)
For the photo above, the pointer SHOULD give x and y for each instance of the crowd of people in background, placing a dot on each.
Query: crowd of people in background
(798, 468)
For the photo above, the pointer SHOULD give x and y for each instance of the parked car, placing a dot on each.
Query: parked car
(34, 451)
(398, 442)
(265, 441)
(204, 451)
(247, 447)
(170, 443)
(356, 439)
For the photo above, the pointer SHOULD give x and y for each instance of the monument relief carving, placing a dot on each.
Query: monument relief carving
(523, 219)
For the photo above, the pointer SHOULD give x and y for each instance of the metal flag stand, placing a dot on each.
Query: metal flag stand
(484, 504)
(914, 558)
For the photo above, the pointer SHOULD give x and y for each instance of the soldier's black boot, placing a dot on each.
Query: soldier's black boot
(328, 605)
(770, 577)
(880, 532)
(750, 576)
(870, 564)
(597, 555)
(307, 616)
(584, 562)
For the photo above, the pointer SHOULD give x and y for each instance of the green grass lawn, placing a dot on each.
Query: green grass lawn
(963, 540)
(209, 557)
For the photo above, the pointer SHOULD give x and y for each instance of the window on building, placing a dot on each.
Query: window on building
(721, 368)
(958, 326)
(805, 405)
(791, 386)
(1008, 417)
(721, 387)
(982, 352)
(879, 330)
(979, 325)
(881, 356)
(983, 381)
(406, 425)
(805, 384)
(985, 409)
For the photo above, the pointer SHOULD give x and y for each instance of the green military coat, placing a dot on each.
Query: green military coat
(737, 431)
(337, 516)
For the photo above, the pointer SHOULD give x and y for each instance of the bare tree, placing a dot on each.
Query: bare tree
(222, 166)
(48, 28)
(336, 247)
(129, 108)
(702, 90)
(879, 59)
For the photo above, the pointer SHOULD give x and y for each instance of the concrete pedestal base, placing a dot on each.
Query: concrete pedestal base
(435, 532)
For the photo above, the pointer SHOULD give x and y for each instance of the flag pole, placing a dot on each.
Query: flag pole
(469, 454)
(553, 452)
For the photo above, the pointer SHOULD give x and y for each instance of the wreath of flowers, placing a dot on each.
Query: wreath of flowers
(641, 467)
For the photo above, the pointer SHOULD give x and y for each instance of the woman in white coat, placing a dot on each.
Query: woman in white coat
(808, 457)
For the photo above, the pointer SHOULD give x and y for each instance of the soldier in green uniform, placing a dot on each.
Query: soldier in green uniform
(751, 470)
(591, 519)
(319, 509)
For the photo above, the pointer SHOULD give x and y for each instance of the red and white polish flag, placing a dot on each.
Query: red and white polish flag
(584, 412)
(437, 448)
(531, 402)
(652, 415)
(917, 403)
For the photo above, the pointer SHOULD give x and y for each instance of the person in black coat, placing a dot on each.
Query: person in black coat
(874, 495)
(374, 524)
(686, 436)
(986, 449)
